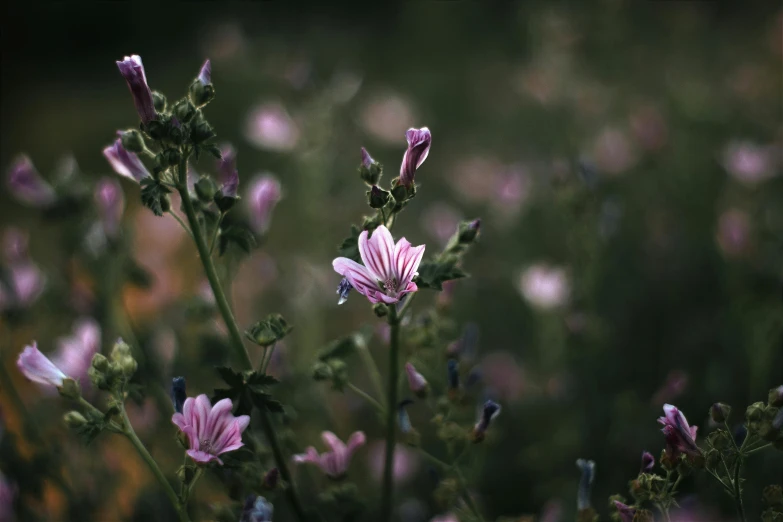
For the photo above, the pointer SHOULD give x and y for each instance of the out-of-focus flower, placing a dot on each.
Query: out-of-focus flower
(38, 368)
(476, 178)
(224, 41)
(264, 194)
(15, 245)
(388, 270)
(613, 151)
(27, 185)
(143, 417)
(648, 462)
(680, 437)
(23, 282)
(489, 411)
(132, 70)
(74, 352)
(416, 381)
(440, 220)
(7, 495)
(386, 116)
(585, 483)
(178, 393)
(748, 162)
(111, 204)
(626, 513)
(545, 286)
(404, 467)
(270, 127)
(649, 127)
(211, 430)
(336, 461)
(257, 509)
(675, 385)
(228, 175)
(125, 163)
(344, 85)
(502, 376)
(733, 234)
(419, 143)
(552, 512)
(511, 190)
(448, 517)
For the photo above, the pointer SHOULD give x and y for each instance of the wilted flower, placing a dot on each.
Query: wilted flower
(419, 142)
(132, 70)
(270, 127)
(490, 410)
(125, 163)
(585, 483)
(648, 462)
(680, 437)
(257, 509)
(27, 185)
(626, 512)
(544, 286)
(388, 270)
(265, 193)
(416, 381)
(211, 430)
(335, 462)
(111, 203)
(38, 368)
(178, 393)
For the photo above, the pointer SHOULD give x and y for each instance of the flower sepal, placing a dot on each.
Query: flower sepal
(70, 389)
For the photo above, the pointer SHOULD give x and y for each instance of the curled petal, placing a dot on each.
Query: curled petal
(203, 456)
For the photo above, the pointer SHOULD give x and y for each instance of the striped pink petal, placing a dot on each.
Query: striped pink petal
(377, 253)
(407, 259)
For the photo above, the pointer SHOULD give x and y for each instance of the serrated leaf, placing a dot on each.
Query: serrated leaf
(434, 274)
(264, 401)
(238, 235)
(338, 349)
(350, 245)
(224, 393)
(232, 378)
(261, 379)
(152, 195)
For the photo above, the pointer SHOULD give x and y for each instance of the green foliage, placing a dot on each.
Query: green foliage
(350, 246)
(247, 389)
(238, 235)
(434, 273)
(154, 196)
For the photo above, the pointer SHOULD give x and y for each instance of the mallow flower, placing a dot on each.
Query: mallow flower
(132, 70)
(74, 353)
(416, 381)
(334, 462)
(27, 185)
(38, 368)
(211, 430)
(419, 142)
(124, 162)
(680, 437)
(110, 202)
(388, 270)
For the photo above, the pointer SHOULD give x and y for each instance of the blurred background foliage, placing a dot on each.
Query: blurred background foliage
(624, 157)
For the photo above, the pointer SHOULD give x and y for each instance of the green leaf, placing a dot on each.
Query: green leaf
(434, 274)
(350, 245)
(224, 393)
(232, 378)
(264, 401)
(238, 235)
(261, 379)
(153, 196)
(339, 348)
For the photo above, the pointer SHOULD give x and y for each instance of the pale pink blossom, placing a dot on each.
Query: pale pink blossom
(388, 270)
(419, 143)
(264, 194)
(545, 286)
(748, 162)
(448, 517)
(334, 462)
(386, 116)
(124, 162)
(270, 127)
(38, 368)
(406, 462)
(211, 430)
(74, 353)
(416, 381)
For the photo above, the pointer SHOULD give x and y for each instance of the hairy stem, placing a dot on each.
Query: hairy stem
(391, 425)
(234, 336)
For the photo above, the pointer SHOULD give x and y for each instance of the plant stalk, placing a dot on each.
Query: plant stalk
(391, 425)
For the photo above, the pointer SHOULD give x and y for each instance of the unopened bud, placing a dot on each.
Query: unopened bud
(98, 378)
(377, 197)
(184, 110)
(201, 131)
(321, 372)
(158, 101)
(132, 141)
(370, 170)
(719, 412)
(120, 350)
(100, 362)
(399, 193)
(206, 189)
(74, 419)
(755, 412)
(201, 90)
(468, 231)
(169, 158)
(70, 389)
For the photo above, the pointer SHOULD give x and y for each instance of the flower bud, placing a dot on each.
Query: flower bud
(159, 101)
(169, 158)
(416, 381)
(419, 142)
(27, 185)
(100, 362)
(719, 412)
(321, 372)
(343, 289)
(98, 379)
(184, 110)
(380, 310)
(755, 412)
(377, 197)
(178, 394)
(399, 193)
(648, 462)
(490, 410)
(74, 420)
(205, 189)
(370, 170)
(132, 70)
(776, 397)
(201, 90)
(468, 230)
(132, 140)
(201, 130)
(124, 162)
(70, 389)
(185, 474)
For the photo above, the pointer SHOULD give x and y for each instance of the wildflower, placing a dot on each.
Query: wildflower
(111, 203)
(125, 163)
(270, 127)
(406, 461)
(227, 172)
(416, 381)
(490, 410)
(343, 289)
(201, 90)
(419, 142)
(388, 270)
(648, 462)
(585, 483)
(132, 70)
(178, 393)
(211, 430)
(335, 462)
(369, 170)
(264, 196)
(626, 512)
(74, 352)
(257, 509)
(24, 282)
(680, 437)
(545, 287)
(38, 368)
(27, 185)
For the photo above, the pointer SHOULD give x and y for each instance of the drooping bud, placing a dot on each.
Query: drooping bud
(201, 90)
(343, 289)
(74, 420)
(490, 410)
(178, 394)
(132, 140)
(585, 483)
(125, 163)
(132, 70)
(110, 202)
(648, 462)
(419, 142)
(719, 412)
(416, 381)
(370, 170)
(27, 185)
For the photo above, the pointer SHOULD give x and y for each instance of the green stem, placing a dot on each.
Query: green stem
(182, 223)
(145, 455)
(391, 425)
(758, 448)
(187, 491)
(738, 487)
(361, 393)
(215, 234)
(234, 336)
(460, 480)
(267, 358)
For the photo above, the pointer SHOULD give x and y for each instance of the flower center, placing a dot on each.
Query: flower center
(206, 446)
(390, 285)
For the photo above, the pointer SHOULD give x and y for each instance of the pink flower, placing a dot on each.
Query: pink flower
(74, 353)
(545, 287)
(406, 462)
(448, 517)
(265, 193)
(125, 163)
(335, 462)
(270, 127)
(416, 381)
(211, 430)
(110, 202)
(38, 368)
(132, 70)
(419, 143)
(626, 513)
(680, 437)
(25, 282)
(388, 270)
(27, 185)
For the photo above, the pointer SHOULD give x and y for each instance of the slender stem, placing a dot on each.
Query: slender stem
(235, 337)
(404, 308)
(188, 490)
(372, 368)
(383, 214)
(758, 448)
(738, 487)
(145, 455)
(267, 358)
(182, 223)
(391, 425)
(215, 233)
(361, 393)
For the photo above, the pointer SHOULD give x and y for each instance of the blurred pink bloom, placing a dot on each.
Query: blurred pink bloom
(511, 189)
(748, 162)
(545, 287)
(25, 282)
(448, 517)
(211, 430)
(733, 234)
(7, 495)
(224, 41)
(649, 127)
(680, 437)
(387, 116)
(298, 73)
(503, 376)
(648, 462)
(143, 418)
(388, 270)
(440, 220)
(675, 384)
(336, 461)
(110, 202)
(38, 368)
(477, 178)
(15, 245)
(419, 143)
(74, 353)
(416, 381)
(613, 152)
(27, 185)
(270, 127)
(263, 196)
(406, 461)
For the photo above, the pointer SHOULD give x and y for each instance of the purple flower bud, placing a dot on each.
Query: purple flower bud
(490, 410)
(228, 174)
(205, 75)
(111, 203)
(626, 513)
(133, 72)
(125, 163)
(416, 381)
(367, 160)
(648, 462)
(585, 483)
(264, 194)
(26, 184)
(178, 393)
(419, 142)
(403, 417)
(343, 289)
